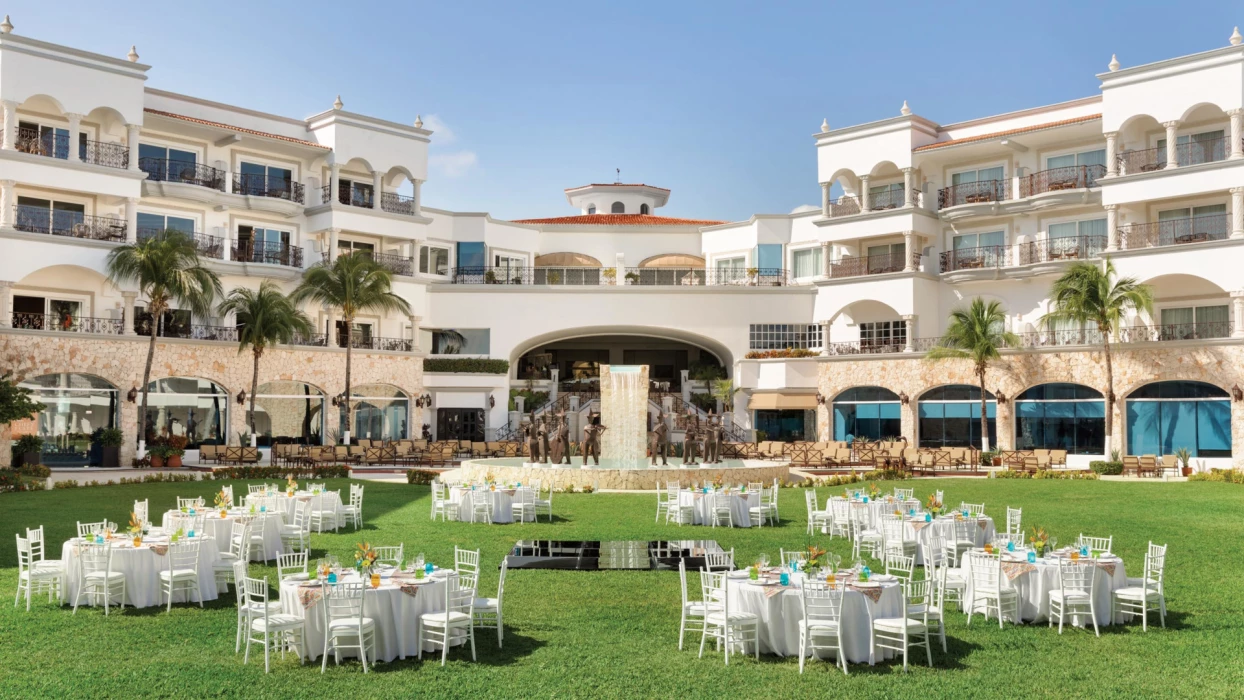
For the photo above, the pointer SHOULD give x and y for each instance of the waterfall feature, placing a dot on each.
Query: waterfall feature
(624, 412)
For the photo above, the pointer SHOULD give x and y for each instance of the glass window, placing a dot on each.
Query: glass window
(784, 425)
(266, 180)
(981, 175)
(381, 412)
(1164, 416)
(48, 216)
(591, 209)
(186, 406)
(457, 341)
(949, 416)
(472, 257)
(289, 413)
(883, 334)
(643, 209)
(731, 269)
(1094, 157)
(617, 208)
(1196, 322)
(776, 336)
(807, 262)
(75, 407)
(355, 193)
(1068, 417)
(434, 261)
(866, 413)
(769, 256)
(149, 224)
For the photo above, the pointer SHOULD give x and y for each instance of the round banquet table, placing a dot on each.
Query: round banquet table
(740, 505)
(464, 497)
(781, 614)
(395, 607)
(917, 529)
(142, 567)
(332, 501)
(1034, 582)
(222, 530)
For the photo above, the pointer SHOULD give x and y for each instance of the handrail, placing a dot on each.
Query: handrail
(974, 193)
(873, 264)
(109, 155)
(888, 199)
(184, 171)
(1176, 331)
(1140, 161)
(845, 206)
(208, 246)
(1071, 177)
(58, 222)
(186, 331)
(1194, 229)
(1049, 338)
(981, 257)
(397, 203)
(271, 253)
(257, 185)
(631, 276)
(1061, 248)
(1197, 152)
(67, 323)
(373, 342)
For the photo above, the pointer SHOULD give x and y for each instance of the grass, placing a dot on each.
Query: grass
(616, 633)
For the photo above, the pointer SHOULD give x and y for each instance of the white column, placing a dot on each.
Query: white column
(75, 123)
(864, 203)
(826, 249)
(226, 241)
(1112, 145)
(334, 182)
(131, 219)
(1237, 132)
(333, 234)
(825, 198)
(909, 238)
(418, 198)
(377, 187)
(331, 341)
(10, 124)
(414, 331)
(6, 304)
(1112, 227)
(131, 140)
(1237, 212)
(909, 186)
(910, 319)
(129, 299)
(824, 337)
(8, 199)
(1171, 156)
(1237, 308)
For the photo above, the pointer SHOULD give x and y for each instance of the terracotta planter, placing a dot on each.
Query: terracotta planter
(173, 461)
(1187, 471)
(997, 461)
(157, 462)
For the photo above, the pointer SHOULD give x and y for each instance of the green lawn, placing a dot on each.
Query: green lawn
(616, 633)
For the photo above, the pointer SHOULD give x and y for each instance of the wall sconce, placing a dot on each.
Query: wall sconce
(1001, 398)
(820, 400)
(336, 400)
(903, 398)
(132, 395)
(241, 397)
(1237, 393)
(492, 401)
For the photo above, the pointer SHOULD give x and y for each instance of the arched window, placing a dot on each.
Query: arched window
(381, 412)
(591, 209)
(643, 209)
(1165, 416)
(289, 412)
(867, 413)
(617, 208)
(950, 416)
(74, 407)
(194, 408)
(1061, 416)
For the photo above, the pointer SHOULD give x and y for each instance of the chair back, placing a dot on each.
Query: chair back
(719, 561)
(809, 497)
(904, 494)
(291, 563)
(1102, 543)
(85, 529)
(240, 571)
(38, 544)
(821, 602)
(141, 509)
(356, 495)
(184, 554)
(1002, 539)
(941, 496)
(965, 531)
(682, 579)
(794, 555)
(900, 566)
(919, 593)
(935, 552)
(253, 489)
(527, 496)
(459, 598)
(892, 528)
(1155, 569)
(501, 581)
(975, 510)
(95, 558)
(256, 594)
(713, 591)
(344, 601)
(1079, 577)
(239, 538)
(986, 570)
(193, 502)
(391, 555)
(466, 560)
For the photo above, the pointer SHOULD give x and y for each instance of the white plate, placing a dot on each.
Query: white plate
(738, 574)
(866, 584)
(884, 578)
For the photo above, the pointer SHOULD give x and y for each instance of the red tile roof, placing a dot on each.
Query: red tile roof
(252, 132)
(616, 184)
(619, 220)
(1000, 134)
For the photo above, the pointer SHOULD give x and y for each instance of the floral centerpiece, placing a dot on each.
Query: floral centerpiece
(291, 485)
(934, 506)
(364, 558)
(223, 502)
(1039, 539)
(718, 481)
(874, 492)
(817, 560)
(136, 528)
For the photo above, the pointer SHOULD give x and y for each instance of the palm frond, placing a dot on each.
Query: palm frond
(265, 316)
(351, 283)
(165, 267)
(975, 332)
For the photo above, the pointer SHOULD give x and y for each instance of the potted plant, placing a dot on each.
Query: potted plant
(176, 448)
(752, 272)
(632, 278)
(157, 453)
(555, 278)
(109, 440)
(611, 275)
(490, 277)
(1184, 456)
(30, 448)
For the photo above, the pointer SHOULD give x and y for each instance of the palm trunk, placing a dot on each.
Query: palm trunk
(349, 351)
(984, 420)
(1109, 397)
(258, 350)
(157, 313)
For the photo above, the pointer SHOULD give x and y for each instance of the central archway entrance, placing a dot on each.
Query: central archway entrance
(576, 357)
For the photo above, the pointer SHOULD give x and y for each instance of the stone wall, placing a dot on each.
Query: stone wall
(619, 479)
(1217, 362)
(120, 361)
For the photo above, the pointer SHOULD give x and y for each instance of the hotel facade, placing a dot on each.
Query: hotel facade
(915, 219)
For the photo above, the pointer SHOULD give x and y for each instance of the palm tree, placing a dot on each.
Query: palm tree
(976, 333)
(351, 284)
(166, 269)
(264, 318)
(722, 390)
(1088, 294)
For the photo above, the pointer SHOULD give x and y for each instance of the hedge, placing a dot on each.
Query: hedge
(465, 364)
(775, 354)
(421, 476)
(1046, 474)
(1108, 468)
(337, 471)
(1231, 476)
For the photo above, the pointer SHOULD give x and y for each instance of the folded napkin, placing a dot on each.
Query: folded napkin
(873, 592)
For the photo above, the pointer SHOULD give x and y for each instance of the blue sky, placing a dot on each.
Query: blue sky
(715, 100)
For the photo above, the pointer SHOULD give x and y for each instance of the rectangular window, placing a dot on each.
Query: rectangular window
(508, 262)
(150, 224)
(48, 216)
(1095, 157)
(731, 269)
(883, 334)
(1192, 149)
(358, 194)
(434, 261)
(769, 257)
(887, 258)
(472, 257)
(979, 249)
(457, 341)
(352, 246)
(776, 336)
(45, 140)
(266, 180)
(982, 175)
(807, 262)
(886, 196)
(1196, 322)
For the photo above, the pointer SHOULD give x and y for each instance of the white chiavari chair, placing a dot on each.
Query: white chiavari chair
(912, 628)
(487, 611)
(725, 627)
(1076, 593)
(863, 537)
(195, 502)
(762, 511)
(975, 510)
(317, 487)
(821, 627)
(33, 575)
(142, 509)
(252, 489)
(99, 581)
(988, 594)
(239, 545)
(718, 508)
(89, 529)
(904, 494)
(292, 565)
(900, 566)
(950, 582)
(693, 611)
(719, 561)
(297, 535)
(817, 519)
(796, 555)
(679, 510)
(323, 513)
(479, 503)
(441, 504)
(1149, 594)
(544, 504)
(183, 570)
(1002, 539)
(266, 626)
(38, 551)
(1099, 543)
(346, 627)
(440, 628)
(466, 561)
(353, 511)
(839, 517)
(1014, 520)
(663, 503)
(894, 534)
(964, 540)
(524, 507)
(940, 496)
(391, 555)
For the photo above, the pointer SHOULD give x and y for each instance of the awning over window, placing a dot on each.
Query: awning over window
(776, 400)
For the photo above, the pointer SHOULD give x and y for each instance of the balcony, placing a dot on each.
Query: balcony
(311, 340)
(1176, 331)
(1075, 177)
(845, 206)
(68, 223)
(269, 253)
(108, 155)
(982, 192)
(371, 342)
(872, 265)
(186, 331)
(1190, 153)
(397, 264)
(67, 323)
(1043, 339)
(1062, 248)
(348, 197)
(256, 185)
(208, 246)
(395, 203)
(878, 347)
(889, 199)
(632, 276)
(1196, 229)
(985, 257)
(181, 171)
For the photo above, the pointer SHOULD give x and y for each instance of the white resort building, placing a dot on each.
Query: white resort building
(916, 218)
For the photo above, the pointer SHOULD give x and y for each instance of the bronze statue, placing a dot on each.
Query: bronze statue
(712, 440)
(533, 438)
(660, 442)
(690, 438)
(543, 432)
(591, 438)
(561, 439)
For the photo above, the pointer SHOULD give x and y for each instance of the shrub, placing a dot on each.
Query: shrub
(885, 475)
(35, 471)
(532, 400)
(11, 480)
(1111, 468)
(336, 471)
(29, 443)
(1230, 476)
(588, 489)
(465, 364)
(775, 354)
(705, 371)
(109, 437)
(1046, 474)
(704, 402)
(420, 476)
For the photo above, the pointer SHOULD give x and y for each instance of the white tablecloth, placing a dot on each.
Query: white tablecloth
(332, 501)
(502, 501)
(781, 616)
(142, 567)
(395, 611)
(1034, 582)
(740, 503)
(917, 529)
(222, 530)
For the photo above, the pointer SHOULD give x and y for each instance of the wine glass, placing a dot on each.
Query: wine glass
(764, 560)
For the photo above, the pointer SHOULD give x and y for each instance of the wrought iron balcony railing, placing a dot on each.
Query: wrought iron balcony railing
(845, 206)
(68, 323)
(1041, 339)
(109, 155)
(315, 340)
(631, 276)
(208, 246)
(1196, 229)
(395, 203)
(1197, 152)
(974, 193)
(183, 171)
(73, 224)
(1073, 177)
(270, 253)
(975, 258)
(257, 185)
(1176, 331)
(889, 199)
(372, 342)
(1141, 161)
(872, 265)
(1061, 248)
(186, 331)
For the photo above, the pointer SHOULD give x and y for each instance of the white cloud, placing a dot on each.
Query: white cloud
(455, 164)
(441, 133)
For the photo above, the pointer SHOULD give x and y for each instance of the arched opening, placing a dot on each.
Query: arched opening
(355, 183)
(867, 413)
(577, 358)
(1185, 307)
(379, 412)
(591, 209)
(567, 269)
(75, 408)
(1141, 145)
(1202, 135)
(617, 208)
(289, 413)
(885, 187)
(643, 208)
(877, 326)
(1165, 416)
(1061, 416)
(669, 269)
(64, 298)
(949, 416)
(190, 407)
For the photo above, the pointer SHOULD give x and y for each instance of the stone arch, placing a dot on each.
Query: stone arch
(41, 102)
(714, 347)
(885, 169)
(1202, 111)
